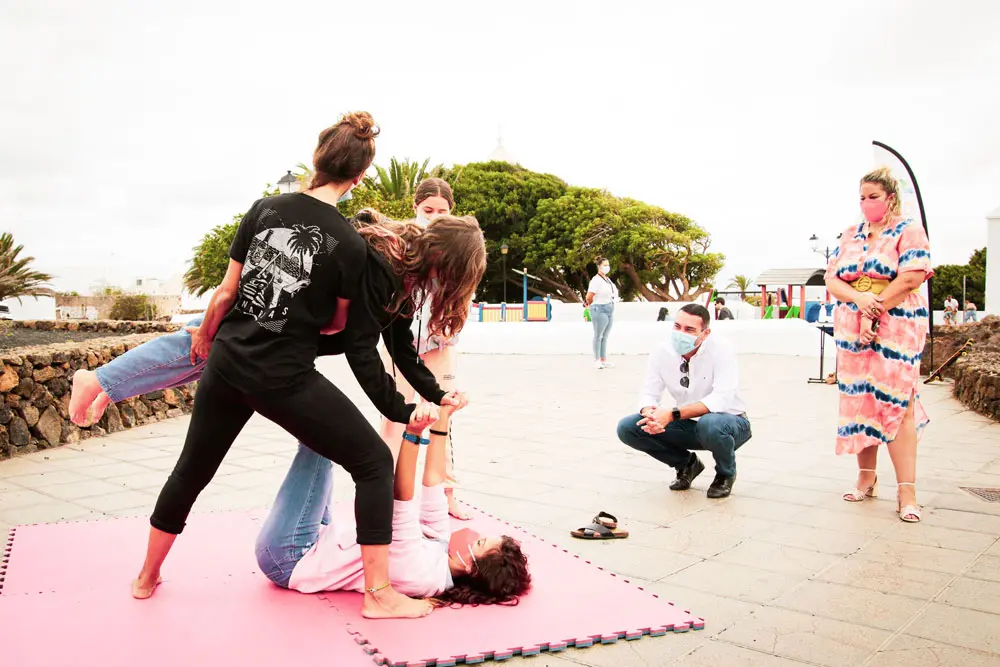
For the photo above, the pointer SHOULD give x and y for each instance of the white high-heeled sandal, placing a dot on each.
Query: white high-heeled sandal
(907, 513)
(857, 495)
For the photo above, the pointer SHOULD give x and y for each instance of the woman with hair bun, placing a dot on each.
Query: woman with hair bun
(880, 325)
(296, 267)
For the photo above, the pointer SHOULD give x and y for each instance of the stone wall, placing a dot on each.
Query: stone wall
(35, 390)
(977, 374)
(116, 327)
(977, 383)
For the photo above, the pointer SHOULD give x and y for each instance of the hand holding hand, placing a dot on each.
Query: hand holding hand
(869, 304)
(455, 398)
(423, 416)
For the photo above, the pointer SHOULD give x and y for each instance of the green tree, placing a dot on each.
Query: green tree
(562, 240)
(948, 280)
(133, 307)
(742, 283)
(211, 256)
(400, 180)
(655, 254)
(17, 278)
(503, 198)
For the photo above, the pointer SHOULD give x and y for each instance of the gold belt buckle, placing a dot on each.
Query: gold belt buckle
(864, 284)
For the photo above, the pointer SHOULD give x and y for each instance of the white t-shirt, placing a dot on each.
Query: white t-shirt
(713, 378)
(604, 290)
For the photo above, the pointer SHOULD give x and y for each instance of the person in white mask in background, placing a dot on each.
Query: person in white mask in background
(702, 409)
(432, 198)
(601, 297)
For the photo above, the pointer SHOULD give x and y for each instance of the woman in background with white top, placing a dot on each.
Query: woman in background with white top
(601, 297)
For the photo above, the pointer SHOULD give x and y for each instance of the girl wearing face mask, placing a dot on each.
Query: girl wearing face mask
(880, 324)
(433, 198)
(601, 297)
(301, 548)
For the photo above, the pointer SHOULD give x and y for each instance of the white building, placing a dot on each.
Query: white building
(993, 262)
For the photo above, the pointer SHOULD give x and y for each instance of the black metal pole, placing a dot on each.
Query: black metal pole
(505, 278)
(923, 218)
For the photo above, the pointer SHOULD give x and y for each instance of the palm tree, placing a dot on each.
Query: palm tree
(401, 179)
(303, 241)
(17, 279)
(743, 284)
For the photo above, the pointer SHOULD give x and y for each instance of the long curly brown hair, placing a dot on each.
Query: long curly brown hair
(498, 577)
(454, 247)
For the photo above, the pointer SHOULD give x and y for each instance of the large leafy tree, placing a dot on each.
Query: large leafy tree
(948, 280)
(211, 256)
(503, 198)
(656, 255)
(17, 278)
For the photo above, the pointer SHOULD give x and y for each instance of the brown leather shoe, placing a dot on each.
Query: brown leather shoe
(687, 474)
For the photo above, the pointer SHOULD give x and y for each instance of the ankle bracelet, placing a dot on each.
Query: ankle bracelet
(373, 591)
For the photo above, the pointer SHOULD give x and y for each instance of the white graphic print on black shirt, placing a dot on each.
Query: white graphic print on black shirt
(278, 266)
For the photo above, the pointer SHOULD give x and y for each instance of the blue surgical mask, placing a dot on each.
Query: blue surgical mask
(435, 285)
(346, 196)
(683, 342)
(422, 221)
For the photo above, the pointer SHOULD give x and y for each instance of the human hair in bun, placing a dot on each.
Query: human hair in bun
(345, 149)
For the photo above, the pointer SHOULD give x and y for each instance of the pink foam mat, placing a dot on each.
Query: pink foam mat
(572, 603)
(215, 607)
(244, 622)
(86, 555)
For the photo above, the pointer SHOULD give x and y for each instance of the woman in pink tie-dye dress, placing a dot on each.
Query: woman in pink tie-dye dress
(880, 326)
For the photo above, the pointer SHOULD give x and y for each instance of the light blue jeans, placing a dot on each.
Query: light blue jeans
(161, 363)
(603, 316)
(301, 507)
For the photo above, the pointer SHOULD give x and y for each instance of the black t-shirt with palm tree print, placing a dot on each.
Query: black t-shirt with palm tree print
(299, 255)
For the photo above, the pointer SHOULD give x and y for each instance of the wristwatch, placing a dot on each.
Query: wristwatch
(676, 414)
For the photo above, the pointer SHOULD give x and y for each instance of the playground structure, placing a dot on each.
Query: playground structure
(535, 310)
(787, 278)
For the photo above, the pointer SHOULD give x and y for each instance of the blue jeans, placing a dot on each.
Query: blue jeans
(603, 316)
(719, 433)
(301, 507)
(161, 363)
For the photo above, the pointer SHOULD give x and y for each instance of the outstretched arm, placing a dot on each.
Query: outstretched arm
(436, 466)
(220, 304)
(404, 484)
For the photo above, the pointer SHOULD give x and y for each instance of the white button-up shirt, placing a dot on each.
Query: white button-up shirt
(713, 372)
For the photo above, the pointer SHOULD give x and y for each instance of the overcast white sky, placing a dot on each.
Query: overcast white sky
(129, 128)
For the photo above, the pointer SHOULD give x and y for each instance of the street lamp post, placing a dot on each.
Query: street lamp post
(503, 251)
(288, 183)
(826, 252)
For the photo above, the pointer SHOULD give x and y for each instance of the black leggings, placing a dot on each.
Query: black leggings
(315, 412)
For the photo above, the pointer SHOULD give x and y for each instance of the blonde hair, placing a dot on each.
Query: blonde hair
(883, 178)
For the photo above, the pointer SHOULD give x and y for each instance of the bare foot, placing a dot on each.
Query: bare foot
(455, 509)
(390, 603)
(141, 589)
(86, 392)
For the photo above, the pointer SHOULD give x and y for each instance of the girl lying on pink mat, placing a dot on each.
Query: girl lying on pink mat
(299, 548)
